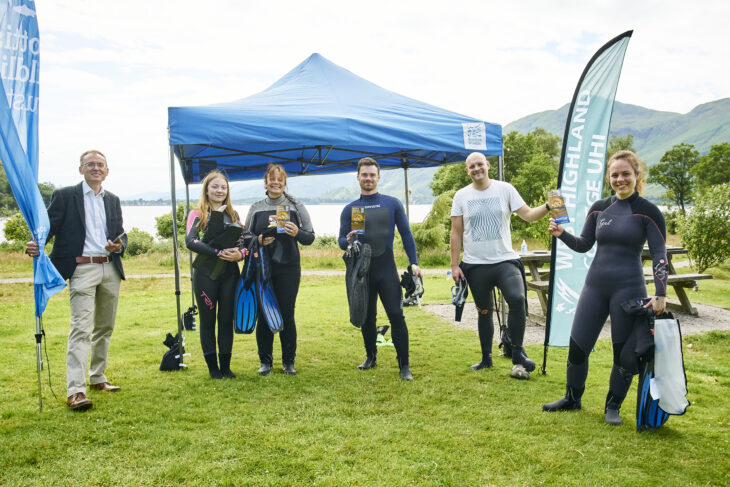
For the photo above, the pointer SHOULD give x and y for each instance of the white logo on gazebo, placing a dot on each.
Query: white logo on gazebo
(475, 136)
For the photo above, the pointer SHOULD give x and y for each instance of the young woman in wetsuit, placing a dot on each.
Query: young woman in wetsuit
(620, 225)
(286, 270)
(214, 293)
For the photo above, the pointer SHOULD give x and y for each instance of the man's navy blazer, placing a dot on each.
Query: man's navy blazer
(68, 225)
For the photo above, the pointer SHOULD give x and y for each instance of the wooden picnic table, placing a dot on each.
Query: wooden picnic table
(538, 281)
(538, 277)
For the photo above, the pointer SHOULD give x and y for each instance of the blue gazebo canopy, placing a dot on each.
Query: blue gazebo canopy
(320, 119)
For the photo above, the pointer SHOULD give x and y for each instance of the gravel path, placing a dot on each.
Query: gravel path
(710, 318)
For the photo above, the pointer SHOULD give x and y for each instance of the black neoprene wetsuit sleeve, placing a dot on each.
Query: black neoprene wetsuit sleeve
(648, 226)
(656, 236)
(192, 240)
(587, 238)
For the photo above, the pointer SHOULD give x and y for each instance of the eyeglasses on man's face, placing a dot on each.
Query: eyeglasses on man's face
(94, 165)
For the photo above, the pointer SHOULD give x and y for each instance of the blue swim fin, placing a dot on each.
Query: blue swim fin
(246, 307)
(268, 305)
(649, 415)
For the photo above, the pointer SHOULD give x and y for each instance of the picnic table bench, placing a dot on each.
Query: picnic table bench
(538, 280)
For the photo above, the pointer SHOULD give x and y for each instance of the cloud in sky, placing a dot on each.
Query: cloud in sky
(109, 70)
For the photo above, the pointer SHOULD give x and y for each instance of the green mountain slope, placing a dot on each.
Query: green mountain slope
(654, 132)
(392, 182)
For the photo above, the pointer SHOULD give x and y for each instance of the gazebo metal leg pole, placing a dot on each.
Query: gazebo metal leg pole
(174, 249)
(404, 165)
(190, 254)
(405, 175)
(39, 357)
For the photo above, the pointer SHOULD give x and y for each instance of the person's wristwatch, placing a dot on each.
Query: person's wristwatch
(547, 206)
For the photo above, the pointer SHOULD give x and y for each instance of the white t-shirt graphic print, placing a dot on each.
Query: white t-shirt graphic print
(487, 237)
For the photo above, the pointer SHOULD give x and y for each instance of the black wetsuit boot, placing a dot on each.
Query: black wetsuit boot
(570, 402)
(289, 368)
(573, 390)
(370, 362)
(405, 371)
(519, 357)
(225, 360)
(619, 385)
(213, 369)
(613, 405)
(484, 364)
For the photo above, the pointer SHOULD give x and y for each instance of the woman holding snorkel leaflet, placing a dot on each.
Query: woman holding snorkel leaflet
(280, 223)
(619, 225)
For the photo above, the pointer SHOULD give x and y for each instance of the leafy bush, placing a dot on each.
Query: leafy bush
(168, 260)
(162, 246)
(16, 231)
(427, 237)
(671, 219)
(537, 231)
(434, 231)
(12, 246)
(164, 223)
(325, 242)
(434, 258)
(449, 178)
(706, 229)
(138, 242)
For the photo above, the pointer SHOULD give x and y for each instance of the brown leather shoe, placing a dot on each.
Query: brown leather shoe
(105, 386)
(78, 402)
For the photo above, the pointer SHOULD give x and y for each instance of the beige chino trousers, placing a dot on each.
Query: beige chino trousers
(94, 293)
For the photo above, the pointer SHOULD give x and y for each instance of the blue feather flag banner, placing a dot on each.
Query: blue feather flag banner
(580, 178)
(19, 70)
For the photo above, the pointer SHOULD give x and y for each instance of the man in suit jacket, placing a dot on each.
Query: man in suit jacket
(90, 241)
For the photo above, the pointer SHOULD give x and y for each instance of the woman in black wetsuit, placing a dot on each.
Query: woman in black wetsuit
(286, 270)
(214, 288)
(620, 225)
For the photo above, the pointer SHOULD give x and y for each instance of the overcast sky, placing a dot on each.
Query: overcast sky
(110, 69)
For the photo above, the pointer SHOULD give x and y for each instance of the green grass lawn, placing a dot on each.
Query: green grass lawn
(333, 424)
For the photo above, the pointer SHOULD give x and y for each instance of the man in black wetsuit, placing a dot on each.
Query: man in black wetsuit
(480, 224)
(382, 214)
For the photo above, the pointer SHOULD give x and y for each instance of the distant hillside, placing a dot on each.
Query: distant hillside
(654, 132)
(306, 188)
(392, 182)
(342, 188)
(330, 188)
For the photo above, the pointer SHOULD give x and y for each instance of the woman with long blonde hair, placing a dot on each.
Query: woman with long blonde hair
(215, 273)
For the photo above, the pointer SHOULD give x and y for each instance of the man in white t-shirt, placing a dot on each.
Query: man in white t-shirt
(480, 224)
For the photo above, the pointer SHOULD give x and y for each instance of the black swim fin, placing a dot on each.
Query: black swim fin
(268, 305)
(357, 262)
(215, 225)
